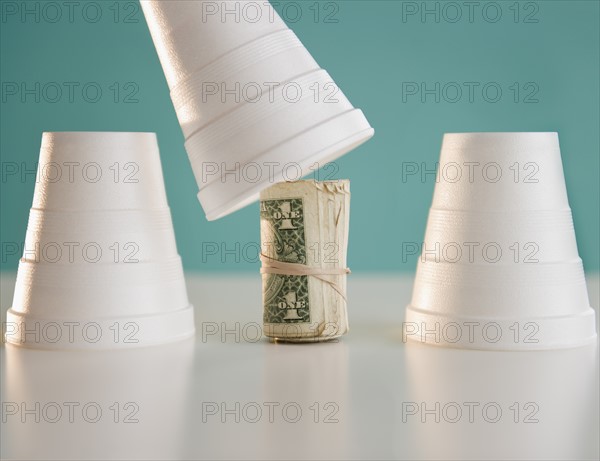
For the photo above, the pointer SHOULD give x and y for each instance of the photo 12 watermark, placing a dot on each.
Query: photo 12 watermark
(71, 412)
(268, 171)
(70, 12)
(71, 92)
(253, 92)
(526, 172)
(289, 412)
(472, 252)
(471, 332)
(69, 172)
(71, 332)
(248, 252)
(472, 412)
(253, 332)
(71, 252)
(252, 12)
(470, 12)
(470, 92)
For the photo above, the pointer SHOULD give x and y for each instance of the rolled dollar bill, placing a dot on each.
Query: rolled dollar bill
(304, 241)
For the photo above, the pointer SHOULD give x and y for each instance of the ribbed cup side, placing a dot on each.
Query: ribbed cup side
(102, 250)
(230, 77)
(500, 244)
(188, 36)
(82, 171)
(500, 171)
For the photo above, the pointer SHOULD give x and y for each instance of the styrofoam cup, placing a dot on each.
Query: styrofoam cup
(248, 95)
(189, 35)
(500, 171)
(126, 236)
(527, 237)
(263, 70)
(99, 171)
(499, 266)
(95, 273)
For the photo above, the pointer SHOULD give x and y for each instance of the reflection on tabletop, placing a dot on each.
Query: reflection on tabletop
(368, 395)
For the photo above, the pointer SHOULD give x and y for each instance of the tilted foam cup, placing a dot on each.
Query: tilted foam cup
(249, 98)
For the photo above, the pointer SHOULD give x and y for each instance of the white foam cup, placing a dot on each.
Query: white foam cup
(499, 266)
(99, 171)
(100, 267)
(247, 92)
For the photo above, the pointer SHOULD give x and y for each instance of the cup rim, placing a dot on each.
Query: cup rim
(70, 132)
(508, 133)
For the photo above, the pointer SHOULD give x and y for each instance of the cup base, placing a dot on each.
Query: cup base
(26, 330)
(508, 334)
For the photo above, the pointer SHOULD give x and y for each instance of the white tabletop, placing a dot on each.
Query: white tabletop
(228, 395)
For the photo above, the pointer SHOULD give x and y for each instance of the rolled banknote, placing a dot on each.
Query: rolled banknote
(304, 241)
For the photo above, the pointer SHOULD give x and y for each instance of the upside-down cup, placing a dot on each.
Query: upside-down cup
(100, 267)
(250, 99)
(499, 266)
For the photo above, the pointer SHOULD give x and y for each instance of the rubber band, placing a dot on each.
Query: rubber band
(273, 266)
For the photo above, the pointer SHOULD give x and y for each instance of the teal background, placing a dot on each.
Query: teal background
(369, 52)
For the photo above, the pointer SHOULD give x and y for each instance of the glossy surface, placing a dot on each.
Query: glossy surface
(229, 395)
